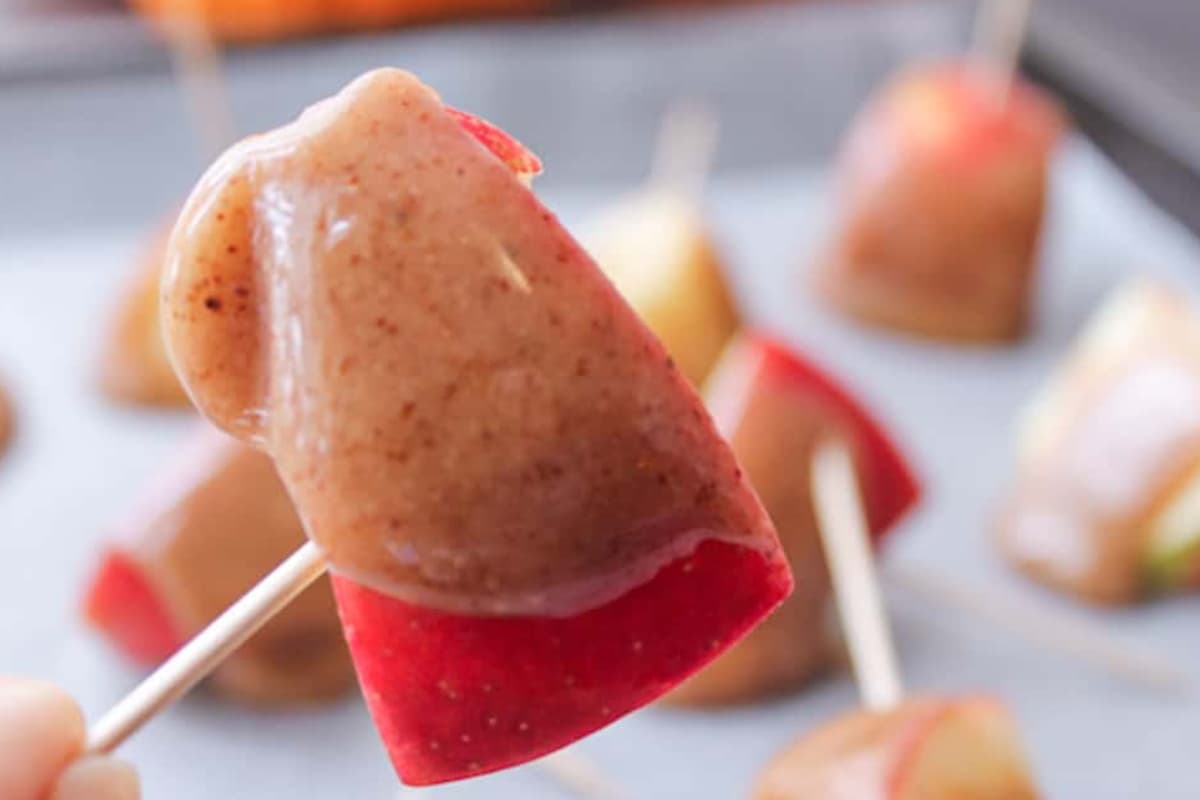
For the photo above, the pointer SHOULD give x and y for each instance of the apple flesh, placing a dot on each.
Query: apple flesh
(655, 248)
(775, 407)
(134, 368)
(942, 195)
(1128, 394)
(217, 522)
(928, 748)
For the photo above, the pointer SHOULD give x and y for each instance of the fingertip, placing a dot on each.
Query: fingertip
(98, 778)
(41, 730)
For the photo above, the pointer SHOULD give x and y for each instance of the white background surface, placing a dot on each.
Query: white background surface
(78, 464)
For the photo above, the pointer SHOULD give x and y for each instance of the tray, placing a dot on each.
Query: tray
(78, 463)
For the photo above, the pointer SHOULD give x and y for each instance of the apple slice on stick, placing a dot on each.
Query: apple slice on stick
(847, 543)
(656, 247)
(576, 537)
(923, 748)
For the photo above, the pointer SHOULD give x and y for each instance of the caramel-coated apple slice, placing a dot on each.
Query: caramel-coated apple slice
(942, 193)
(214, 523)
(1128, 395)
(776, 407)
(927, 748)
(533, 526)
(657, 250)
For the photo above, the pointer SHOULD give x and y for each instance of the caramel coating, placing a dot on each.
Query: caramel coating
(452, 391)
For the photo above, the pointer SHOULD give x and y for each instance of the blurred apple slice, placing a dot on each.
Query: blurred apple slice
(655, 247)
(775, 407)
(928, 748)
(217, 520)
(1128, 395)
(134, 368)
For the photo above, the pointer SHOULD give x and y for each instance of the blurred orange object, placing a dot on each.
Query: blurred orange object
(267, 20)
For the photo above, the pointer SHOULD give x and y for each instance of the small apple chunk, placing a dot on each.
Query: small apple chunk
(218, 521)
(928, 748)
(1128, 394)
(134, 368)
(775, 407)
(942, 194)
(655, 247)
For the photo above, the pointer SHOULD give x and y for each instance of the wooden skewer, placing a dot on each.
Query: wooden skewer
(996, 45)
(847, 544)
(197, 65)
(578, 774)
(196, 659)
(687, 142)
(1040, 626)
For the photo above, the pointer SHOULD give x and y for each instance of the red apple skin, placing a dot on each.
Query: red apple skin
(457, 696)
(790, 403)
(942, 195)
(122, 603)
(519, 158)
(890, 486)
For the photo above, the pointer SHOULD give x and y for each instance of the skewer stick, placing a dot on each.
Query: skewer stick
(687, 142)
(576, 773)
(1040, 626)
(196, 659)
(197, 65)
(996, 44)
(847, 544)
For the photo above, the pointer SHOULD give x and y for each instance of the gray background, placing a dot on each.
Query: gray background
(88, 163)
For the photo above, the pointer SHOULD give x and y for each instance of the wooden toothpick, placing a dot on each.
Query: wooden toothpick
(847, 543)
(199, 657)
(996, 44)
(683, 155)
(197, 65)
(575, 772)
(1043, 627)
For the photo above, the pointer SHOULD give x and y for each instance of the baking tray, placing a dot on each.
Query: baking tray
(78, 463)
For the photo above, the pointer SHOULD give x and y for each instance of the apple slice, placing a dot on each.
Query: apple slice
(775, 407)
(928, 748)
(1128, 394)
(134, 368)
(942, 196)
(216, 522)
(655, 247)
(526, 509)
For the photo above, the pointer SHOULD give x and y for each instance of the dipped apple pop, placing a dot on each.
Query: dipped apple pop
(1128, 395)
(134, 368)
(526, 509)
(924, 748)
(216, 521)
(658, 249)
(941, 197)
(775, 408)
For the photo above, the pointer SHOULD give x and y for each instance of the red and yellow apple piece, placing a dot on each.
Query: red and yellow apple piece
(941, 196)
(928, 748)
(657, 250)
(776, 407)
